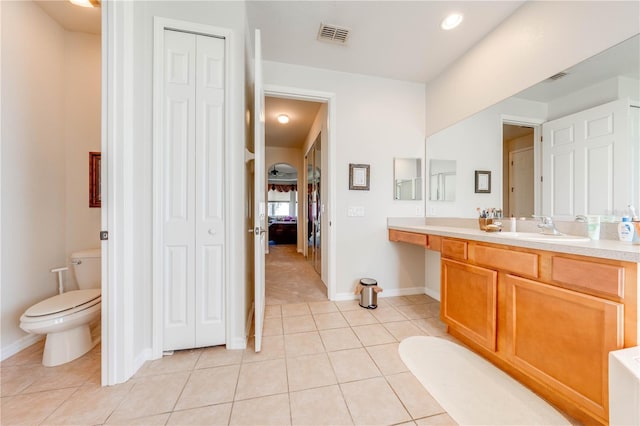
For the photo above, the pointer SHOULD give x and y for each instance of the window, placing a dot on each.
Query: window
(282, 203)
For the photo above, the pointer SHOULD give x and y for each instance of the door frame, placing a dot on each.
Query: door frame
(160, 24)
(536, 123)
(328, 258)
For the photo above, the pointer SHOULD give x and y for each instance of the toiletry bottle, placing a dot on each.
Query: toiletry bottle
(625, 229)
(636, 234)
(512, 223)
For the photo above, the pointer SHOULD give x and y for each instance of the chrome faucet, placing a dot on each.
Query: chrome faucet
(546, 225)
(581, 218)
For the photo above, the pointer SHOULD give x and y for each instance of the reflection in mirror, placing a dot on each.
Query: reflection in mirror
(585, 149)
(518, 170)
(407, 178)
(442, 180)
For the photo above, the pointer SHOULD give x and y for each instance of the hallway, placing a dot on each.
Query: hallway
(289, 278)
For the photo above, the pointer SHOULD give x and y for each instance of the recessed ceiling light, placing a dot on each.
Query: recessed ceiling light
(451, 21)
(283, 118)
(86, 3)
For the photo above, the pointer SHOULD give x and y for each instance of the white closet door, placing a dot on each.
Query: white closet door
(586, 160)
(193, 191)
(209, 192)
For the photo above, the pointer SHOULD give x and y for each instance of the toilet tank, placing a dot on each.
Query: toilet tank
(86, 267)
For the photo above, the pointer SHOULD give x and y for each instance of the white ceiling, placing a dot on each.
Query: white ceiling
(393, 39)
(73, 18)
(619, 60)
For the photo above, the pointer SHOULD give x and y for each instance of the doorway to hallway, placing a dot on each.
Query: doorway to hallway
(289, 278)
(293, 269)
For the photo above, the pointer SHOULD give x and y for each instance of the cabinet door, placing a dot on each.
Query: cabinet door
(469, 301)
(562, 338)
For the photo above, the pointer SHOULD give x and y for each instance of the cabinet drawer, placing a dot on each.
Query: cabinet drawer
(454, 249)
(408, 237)
(600, 278)
(507, 260)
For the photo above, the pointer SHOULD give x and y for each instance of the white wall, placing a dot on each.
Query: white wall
(377, 120)
(540, 39)
(476, 144)
(82, 83)
(51, 120)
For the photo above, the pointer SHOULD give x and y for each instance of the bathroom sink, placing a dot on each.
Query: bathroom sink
(536, 236)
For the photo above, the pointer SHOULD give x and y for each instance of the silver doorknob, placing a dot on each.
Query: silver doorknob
(212, 231)
(259, 230)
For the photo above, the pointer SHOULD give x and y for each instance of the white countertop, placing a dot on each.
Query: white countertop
(606, 249)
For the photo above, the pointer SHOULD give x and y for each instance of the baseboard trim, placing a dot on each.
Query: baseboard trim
(237, 343)
(432, 293)
(144, 356)
(20, 344)
(393, 292)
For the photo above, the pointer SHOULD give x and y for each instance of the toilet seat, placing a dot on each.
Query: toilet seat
(62, 305)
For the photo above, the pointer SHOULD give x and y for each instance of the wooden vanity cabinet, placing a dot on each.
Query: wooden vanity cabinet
(408, 237)
(562, 338)
(469, 301)
(549, 319)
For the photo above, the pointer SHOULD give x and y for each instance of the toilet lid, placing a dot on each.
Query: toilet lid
(63, 302)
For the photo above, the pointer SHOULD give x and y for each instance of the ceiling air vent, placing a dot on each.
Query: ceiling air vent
(557, 76)
(333, 34)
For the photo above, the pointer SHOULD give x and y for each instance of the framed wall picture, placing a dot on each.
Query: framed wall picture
(95, 198)
(483, 182)
(359, 176)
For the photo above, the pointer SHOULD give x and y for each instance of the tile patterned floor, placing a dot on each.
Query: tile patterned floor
(322, 363)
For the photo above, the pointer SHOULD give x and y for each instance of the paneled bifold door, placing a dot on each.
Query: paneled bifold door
(193, 190)
(587, 162)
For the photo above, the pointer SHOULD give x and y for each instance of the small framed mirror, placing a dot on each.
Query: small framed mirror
(407, 179)
(442, 180)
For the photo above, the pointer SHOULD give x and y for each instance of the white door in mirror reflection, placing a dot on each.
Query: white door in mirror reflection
(587, 158)
(521, 182)
(407, 178)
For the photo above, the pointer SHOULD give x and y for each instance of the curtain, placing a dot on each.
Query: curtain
(283, 188)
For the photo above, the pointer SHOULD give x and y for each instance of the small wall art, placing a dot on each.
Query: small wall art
(359, 176)
(483, 182)
(95, 197)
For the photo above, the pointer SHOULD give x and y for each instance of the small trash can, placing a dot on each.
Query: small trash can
(368, 295)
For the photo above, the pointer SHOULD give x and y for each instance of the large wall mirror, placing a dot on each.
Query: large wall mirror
(555, 136)
(407, 178)
(442, 180)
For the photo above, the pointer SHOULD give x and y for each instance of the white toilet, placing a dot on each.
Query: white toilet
(65, 318)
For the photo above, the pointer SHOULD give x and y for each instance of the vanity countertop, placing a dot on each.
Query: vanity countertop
(606, 249)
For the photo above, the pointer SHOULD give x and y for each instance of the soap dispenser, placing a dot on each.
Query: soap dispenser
(626, 229)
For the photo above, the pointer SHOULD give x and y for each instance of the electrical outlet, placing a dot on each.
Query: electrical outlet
(418, 211)
(432, 211)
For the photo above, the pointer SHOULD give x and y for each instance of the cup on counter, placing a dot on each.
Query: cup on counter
(484, 221)
(593, 227)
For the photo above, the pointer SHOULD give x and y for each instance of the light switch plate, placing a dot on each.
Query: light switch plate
(355, 211)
